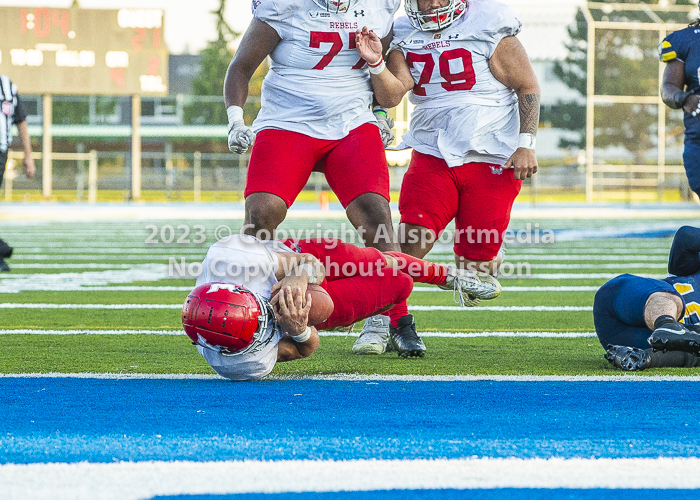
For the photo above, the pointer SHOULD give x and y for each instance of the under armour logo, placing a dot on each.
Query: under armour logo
(453, 37)
(359, 13)
(496, 170)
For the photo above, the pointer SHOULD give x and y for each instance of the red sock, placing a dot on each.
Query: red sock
(398, 311)
(421, 270)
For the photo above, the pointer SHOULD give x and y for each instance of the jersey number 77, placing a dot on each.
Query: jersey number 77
(334, 38)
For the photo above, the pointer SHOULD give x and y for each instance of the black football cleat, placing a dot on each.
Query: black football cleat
(405, 339)
(629, 359)
(3, 266)
(5, 250)
(670, 335)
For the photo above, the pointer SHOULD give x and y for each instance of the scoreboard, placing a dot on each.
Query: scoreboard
(84, 51)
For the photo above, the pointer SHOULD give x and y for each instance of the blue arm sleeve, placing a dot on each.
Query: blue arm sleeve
(685, 252)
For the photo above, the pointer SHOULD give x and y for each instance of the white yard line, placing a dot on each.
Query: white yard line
(346, 377)
(36, 331)
(522, 289)
(139, 480)
(580, 276)
(12, 305)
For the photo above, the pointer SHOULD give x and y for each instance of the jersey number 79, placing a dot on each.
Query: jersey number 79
(462, 80)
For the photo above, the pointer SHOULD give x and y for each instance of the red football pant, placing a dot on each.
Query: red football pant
(282, 161)
(357, 280)
(479, 196)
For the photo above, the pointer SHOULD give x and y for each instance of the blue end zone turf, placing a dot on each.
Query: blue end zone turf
(494, 494)
(71, 420)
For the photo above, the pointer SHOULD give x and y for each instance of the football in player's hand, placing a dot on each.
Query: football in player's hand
(321, 304)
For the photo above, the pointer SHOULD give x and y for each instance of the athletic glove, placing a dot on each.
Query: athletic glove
(240, 137)
(630, 359)
(385, 124)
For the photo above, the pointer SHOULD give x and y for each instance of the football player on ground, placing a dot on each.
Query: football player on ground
(316, 116)
(473, 128)
(643, 322)
(250, 308)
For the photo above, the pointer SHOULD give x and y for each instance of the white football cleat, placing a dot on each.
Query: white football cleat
(471, 287)
(374, 336)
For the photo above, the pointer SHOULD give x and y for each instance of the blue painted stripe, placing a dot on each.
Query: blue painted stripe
(71, 420)
(450, 494)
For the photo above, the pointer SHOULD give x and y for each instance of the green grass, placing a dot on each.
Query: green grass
(175, 354)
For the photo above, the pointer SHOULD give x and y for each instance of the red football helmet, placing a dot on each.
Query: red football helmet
(226, 318)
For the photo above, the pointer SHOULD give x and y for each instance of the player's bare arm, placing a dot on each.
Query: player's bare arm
(292, 315)
(257, 43)
(672, 88)
(510, 65)
(391, 84)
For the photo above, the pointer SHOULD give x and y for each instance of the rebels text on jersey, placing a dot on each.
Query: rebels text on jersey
(450, 69)
(317, 84)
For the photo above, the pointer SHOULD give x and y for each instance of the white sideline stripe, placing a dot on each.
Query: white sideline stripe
(136, 289)
(474, 334)
(78, 288)
(139, 480)
(165, 288)
(345, 377)
(74, 266)
(621, 266)
(110, 250)
(34, 331)
(624, 265)
(584, 257)
(582, 276)
(500, 308)
(523, 289)
(150, 258)
(131, 255)
(10, 305)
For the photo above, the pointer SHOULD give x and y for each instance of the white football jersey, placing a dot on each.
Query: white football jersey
(462, 114)
(248, 261)
(317, 84)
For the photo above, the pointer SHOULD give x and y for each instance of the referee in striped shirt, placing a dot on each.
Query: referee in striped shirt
(12, 112)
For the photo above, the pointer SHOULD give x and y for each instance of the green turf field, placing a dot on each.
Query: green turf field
(80, 293)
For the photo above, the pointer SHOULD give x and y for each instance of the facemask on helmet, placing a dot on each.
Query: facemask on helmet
(335, 6)
(434, 19)
(227, 318)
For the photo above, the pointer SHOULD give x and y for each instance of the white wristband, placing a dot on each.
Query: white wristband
(234, 113)
(377, 68)
(527, 141)
(696, 112)
(310, 272)
(303, 337)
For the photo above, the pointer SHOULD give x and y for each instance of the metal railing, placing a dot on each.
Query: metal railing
(15, 158)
